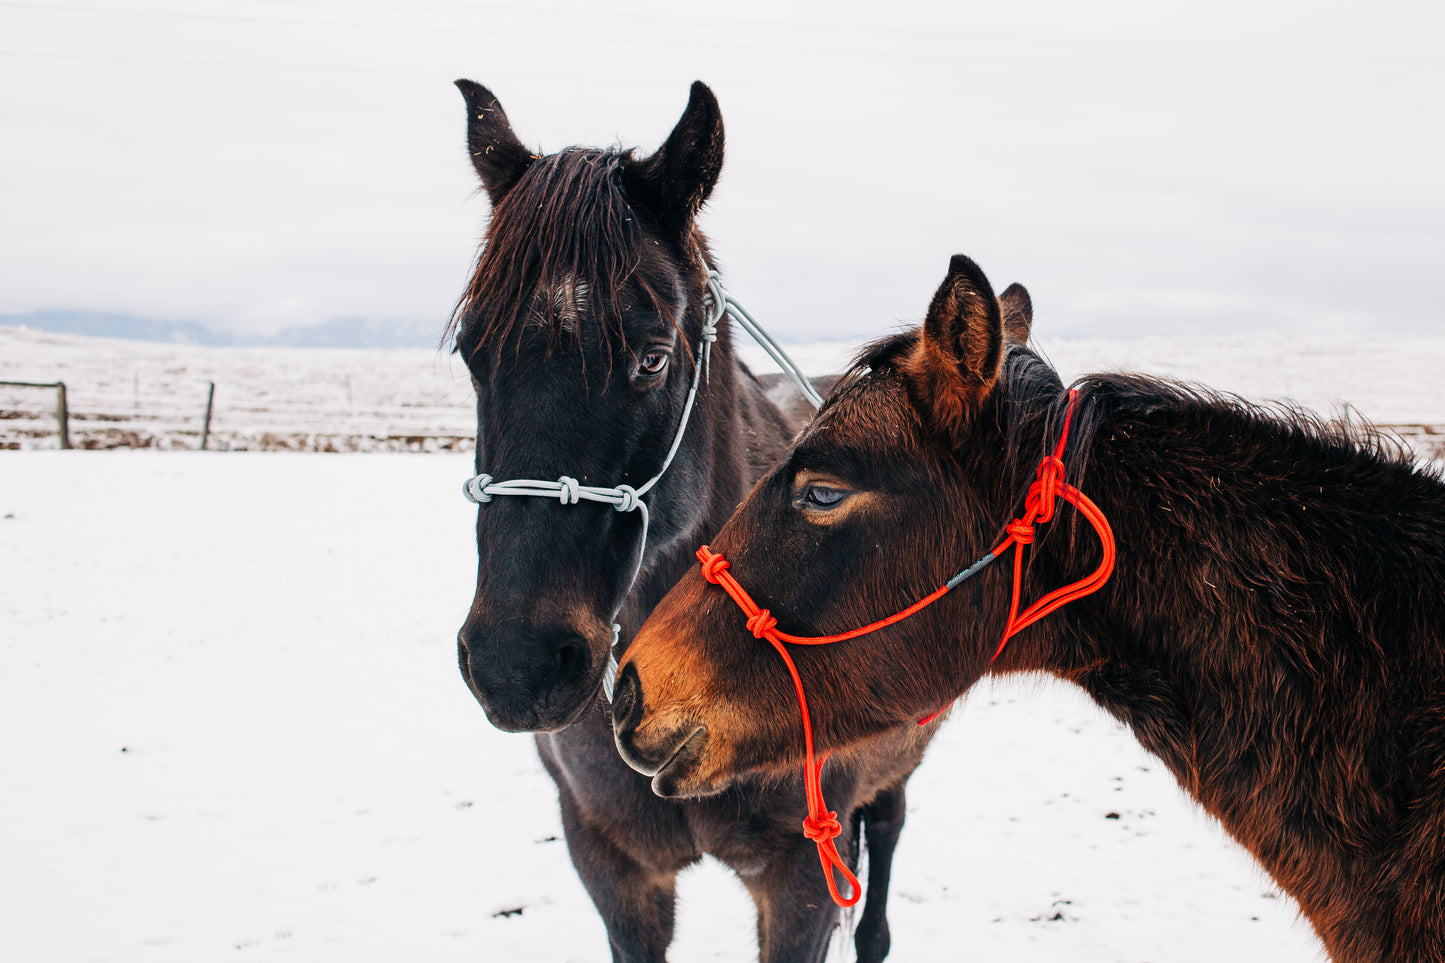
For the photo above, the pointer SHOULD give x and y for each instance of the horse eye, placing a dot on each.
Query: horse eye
(821, 496)
(653, 362)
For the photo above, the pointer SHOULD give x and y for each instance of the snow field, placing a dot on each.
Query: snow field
(233, 727)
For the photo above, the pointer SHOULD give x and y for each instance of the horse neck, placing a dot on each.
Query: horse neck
(1262, 641)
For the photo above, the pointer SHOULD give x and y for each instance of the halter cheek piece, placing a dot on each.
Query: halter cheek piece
(624, 498)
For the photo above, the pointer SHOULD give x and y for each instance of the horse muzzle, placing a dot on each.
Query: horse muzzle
(530, 678)
(670, 756)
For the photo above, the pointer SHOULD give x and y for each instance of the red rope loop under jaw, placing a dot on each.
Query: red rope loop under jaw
(821, 825)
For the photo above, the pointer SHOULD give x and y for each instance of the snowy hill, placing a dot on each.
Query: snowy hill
(336, 333)
(140, 394)
(145, 394)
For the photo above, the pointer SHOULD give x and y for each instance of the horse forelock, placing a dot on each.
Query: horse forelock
(563, 247)
(1028, 389)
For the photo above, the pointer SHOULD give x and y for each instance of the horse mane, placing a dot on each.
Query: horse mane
(1106, 398)
(1034, 400)
(563, 243)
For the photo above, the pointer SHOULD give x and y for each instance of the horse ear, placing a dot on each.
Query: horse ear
(674, 183)
(956, 362)
(500, 159)
(1018, 313)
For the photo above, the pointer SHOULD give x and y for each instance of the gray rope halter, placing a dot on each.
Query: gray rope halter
(624, 498)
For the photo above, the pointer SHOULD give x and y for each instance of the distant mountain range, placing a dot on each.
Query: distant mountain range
(337, 333)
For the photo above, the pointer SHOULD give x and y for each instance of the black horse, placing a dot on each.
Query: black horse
(581, 327)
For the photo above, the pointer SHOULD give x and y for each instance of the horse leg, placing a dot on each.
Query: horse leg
(635, 903)
(882, 824)
(796, 915)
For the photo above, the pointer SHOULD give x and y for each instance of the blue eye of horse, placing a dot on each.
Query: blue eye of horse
(652, 363)
(820, 496)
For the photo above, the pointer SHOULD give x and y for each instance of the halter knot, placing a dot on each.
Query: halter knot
(715, 297)
(569, 493)
(1020, 531)
(476, 489)
(1047, 487)
(822, 827)
(628, 498)
(761, 622)
(712, 566)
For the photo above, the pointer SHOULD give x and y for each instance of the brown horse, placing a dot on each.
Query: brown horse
(582, 327)
(1272, 629)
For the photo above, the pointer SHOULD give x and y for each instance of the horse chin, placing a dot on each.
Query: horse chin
(555, 720)
(556, 723)
(554, 711)
(553, 716)
(685, 774)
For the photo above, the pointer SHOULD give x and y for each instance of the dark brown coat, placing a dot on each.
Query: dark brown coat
(1272, 631)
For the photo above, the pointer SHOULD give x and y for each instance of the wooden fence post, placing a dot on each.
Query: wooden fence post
(62, 410)
(62, 414)
(210, 401)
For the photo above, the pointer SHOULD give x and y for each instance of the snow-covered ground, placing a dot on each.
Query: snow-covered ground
(231, 720)
(232, 727)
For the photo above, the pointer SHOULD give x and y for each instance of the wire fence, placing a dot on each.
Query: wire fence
(41, 414)
(206, 417)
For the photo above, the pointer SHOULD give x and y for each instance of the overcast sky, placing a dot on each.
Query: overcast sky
(1144, 167)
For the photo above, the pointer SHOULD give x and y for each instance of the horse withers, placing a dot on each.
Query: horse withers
(582, 327)
(1271, 629)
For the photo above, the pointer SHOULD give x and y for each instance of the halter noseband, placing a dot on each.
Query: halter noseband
(481, 488)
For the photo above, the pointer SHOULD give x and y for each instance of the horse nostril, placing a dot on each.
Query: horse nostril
(627, 700)
(569, 663)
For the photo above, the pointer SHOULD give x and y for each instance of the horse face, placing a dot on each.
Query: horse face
(871, 511)
(550, 577)
(580, 329)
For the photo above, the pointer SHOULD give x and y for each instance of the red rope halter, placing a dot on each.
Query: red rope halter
(821, 825)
